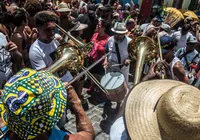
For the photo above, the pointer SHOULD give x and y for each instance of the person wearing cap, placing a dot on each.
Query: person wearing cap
(32, 102)
(164, 30)
(118, 46)
(176, 67)
(189, 56)
(65, 18)
(182, 36)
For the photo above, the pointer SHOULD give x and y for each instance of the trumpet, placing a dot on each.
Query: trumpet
(72, 58)
(141, 49)
(84, 48)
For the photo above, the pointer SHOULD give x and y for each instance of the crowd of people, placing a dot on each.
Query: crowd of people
(33, 101)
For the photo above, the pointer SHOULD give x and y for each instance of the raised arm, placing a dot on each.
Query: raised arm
(84, 126)
(180, 72)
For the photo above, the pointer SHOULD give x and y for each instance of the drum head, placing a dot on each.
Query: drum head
(112, 80)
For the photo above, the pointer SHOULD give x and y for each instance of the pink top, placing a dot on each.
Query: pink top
(98, 49)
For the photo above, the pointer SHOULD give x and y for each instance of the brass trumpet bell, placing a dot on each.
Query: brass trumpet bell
(142, 43)
(68, 57)
(141, 49)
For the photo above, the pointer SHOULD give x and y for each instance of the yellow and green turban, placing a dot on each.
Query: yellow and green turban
(32, 102)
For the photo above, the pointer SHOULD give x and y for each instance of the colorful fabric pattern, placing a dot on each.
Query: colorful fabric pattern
(32, 102)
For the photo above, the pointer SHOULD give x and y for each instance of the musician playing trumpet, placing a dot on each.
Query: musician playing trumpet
(172, 64)
(42, 51)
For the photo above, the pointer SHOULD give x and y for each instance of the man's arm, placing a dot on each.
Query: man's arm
(84, 126)
(179, 72)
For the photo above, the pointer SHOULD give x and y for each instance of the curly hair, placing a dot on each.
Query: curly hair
(32, 7)
(20, 15)
(44, 17)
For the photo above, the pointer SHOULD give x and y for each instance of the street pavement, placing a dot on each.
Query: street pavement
(101, 121)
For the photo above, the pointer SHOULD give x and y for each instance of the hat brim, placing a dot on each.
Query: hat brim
(119, 32)
(193, 42)
(81, 27)
(64, 10)
(140, 115)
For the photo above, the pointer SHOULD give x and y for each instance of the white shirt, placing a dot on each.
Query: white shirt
(41, 56)
(5, 61)
(192, 57)
(145, 27)
(181, 39)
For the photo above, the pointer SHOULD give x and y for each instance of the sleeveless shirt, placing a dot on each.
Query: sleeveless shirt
(173, 62)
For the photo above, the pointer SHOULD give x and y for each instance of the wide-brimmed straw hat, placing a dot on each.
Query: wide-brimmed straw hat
(163, 110)
(119, 28)
(63, 7)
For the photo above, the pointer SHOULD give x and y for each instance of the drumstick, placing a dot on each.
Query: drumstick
(116, 65)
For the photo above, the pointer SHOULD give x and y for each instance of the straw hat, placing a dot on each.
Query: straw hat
(163, 110)
(63, 7)
(119, 28)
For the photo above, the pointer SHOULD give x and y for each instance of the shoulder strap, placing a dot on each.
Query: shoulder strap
(184, 54)
(118, 53)
(195, 57)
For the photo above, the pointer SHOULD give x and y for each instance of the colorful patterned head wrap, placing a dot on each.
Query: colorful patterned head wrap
(32, 102)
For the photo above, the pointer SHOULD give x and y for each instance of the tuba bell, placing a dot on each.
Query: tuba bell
(172, 16)
(141, 49)
(67, 57)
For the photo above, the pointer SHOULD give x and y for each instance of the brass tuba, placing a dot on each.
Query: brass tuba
(141, 49)
(172, 16)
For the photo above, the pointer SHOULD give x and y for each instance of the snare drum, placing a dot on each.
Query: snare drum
(114, 83)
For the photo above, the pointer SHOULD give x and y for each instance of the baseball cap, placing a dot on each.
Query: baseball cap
(192, 40)
(167, 43)
(165, 27)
